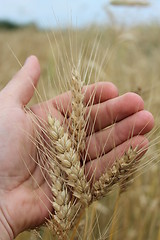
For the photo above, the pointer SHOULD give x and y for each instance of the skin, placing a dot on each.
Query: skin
(23, 204)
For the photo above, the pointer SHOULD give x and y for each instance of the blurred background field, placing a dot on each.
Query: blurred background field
(132, 63)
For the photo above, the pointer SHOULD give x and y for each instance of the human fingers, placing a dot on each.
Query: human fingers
(104, 141)
(93, 94)
(61, 104)
(113, 110)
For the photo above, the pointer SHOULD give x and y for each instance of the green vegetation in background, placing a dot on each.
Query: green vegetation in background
(8, 25)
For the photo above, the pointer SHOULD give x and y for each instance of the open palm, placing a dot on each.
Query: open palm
(25, 199)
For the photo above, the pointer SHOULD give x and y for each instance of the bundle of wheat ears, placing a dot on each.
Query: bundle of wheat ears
(66, 158)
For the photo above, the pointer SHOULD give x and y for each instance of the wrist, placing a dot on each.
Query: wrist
(6, 232)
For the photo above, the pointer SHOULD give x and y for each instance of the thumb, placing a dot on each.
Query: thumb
(21, 88)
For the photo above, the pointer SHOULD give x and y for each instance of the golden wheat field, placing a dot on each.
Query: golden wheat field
(129, 58)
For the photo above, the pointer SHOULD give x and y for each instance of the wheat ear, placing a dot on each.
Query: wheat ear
(69, 162)
(64, 207)
(121, 172)
(128, 165)
(77, 121)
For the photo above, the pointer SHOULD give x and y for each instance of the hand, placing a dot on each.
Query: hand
(25, 199)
